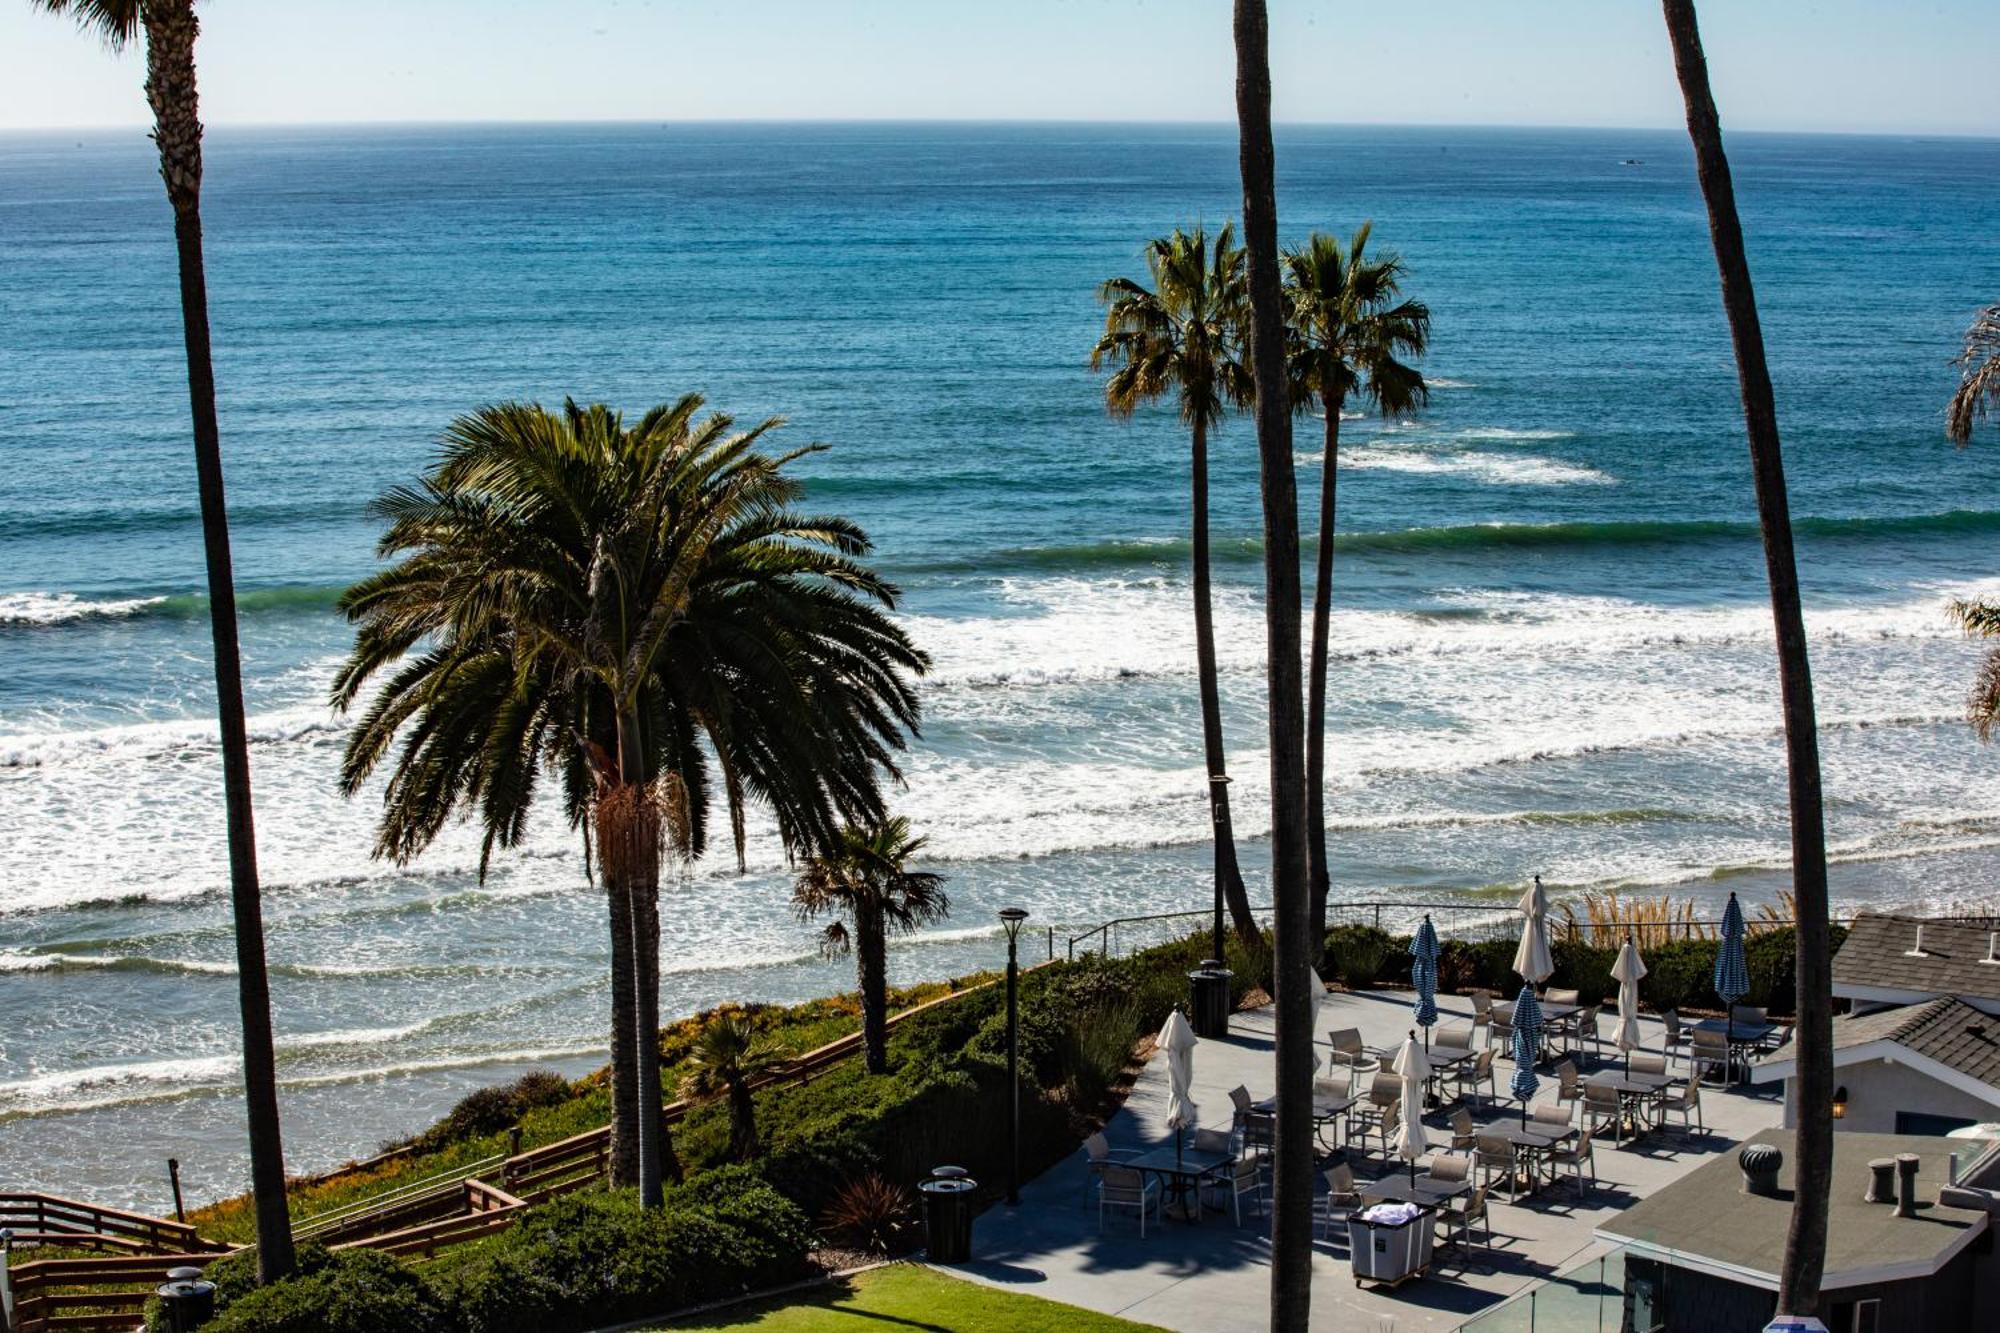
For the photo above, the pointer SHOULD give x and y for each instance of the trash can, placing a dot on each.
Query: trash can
(948, 1216)
(1208, 998)
(1391, 1242)
(186, 1301)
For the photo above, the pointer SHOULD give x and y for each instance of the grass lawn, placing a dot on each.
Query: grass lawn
(909, 1297)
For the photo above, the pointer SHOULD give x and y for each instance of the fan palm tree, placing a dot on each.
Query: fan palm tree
(642, 612)
(1805, 1242)
(1292, 948)
(1348, 330)
(864, 873)
(170, 29)
(1979, 387)
(1181, 337)
(726, 1061)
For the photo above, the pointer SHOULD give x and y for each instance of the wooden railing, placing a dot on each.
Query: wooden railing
(56, 1295)
(481, 1210)
(46, 1219)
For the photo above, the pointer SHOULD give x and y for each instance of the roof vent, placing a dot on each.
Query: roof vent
(1881, 1181)
(1917, 950)
(1992, 948)
(1906, 1184)
(1760, 1163)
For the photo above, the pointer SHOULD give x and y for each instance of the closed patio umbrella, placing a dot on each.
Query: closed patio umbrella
(1414, 1068)
(1732, 969)
(1531, 957)
(1527, 1038)
(1424, 976)
(1627, 971)
(1177, 1039)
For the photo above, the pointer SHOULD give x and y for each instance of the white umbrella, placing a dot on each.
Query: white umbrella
(1532, 959)
(1414, 1068)
(1318, 993)
(1177, 1039)
(1627, 971)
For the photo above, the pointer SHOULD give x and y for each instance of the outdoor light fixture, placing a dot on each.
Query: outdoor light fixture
(1010, 920)
(1840, 1103)
(1218, 787)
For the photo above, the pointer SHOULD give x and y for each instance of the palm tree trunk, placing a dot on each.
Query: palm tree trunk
(629, 846)
(1805, 1243)
(742, 1121)
(656, 1153)
(1292, 1192)
(624, 1037)
(870, 952)
(171, 29)
(1228, 876)
(1316, 869)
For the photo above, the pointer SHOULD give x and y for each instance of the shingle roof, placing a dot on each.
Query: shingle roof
(1876, 954)
(1706, 1215)
(1948, 1031)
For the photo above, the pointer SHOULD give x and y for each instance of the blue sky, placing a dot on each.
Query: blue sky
(1892, 66)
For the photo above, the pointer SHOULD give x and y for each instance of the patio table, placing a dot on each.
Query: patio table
(1180, 1171)
(1743, 1039)
(1635, 1092)
(1396, 1187)
(1327, 1110)
(1527, 1145)
(1555, 1017)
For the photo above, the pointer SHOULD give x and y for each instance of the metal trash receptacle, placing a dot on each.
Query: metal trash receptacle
(1208, 998)
(948, 1217)
(186, 1300)
(1390, 1251)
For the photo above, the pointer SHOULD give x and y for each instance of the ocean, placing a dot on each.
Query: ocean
(1552, 645)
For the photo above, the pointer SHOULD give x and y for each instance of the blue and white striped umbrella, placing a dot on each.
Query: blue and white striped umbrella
(1424, 975)
(1732, 969)
(1527, 1041)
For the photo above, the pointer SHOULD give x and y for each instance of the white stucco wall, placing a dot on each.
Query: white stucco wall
(1877, 1089)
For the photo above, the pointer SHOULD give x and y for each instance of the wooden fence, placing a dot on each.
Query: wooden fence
(55, 1295)
(47, 1219)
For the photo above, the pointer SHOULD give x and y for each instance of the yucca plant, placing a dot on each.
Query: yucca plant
(870, 1213)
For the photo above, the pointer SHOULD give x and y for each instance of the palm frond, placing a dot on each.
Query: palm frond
(1978, 391)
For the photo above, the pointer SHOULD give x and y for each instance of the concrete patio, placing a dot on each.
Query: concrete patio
(1212, 1276)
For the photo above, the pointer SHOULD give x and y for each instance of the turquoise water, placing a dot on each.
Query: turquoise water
(1552, 649)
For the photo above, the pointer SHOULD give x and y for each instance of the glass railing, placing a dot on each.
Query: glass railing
(1589, 1298)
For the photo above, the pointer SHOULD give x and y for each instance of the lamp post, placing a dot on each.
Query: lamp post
(1011, 919)
(1218, 784)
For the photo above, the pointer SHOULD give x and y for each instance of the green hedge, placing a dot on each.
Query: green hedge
(1679, 974)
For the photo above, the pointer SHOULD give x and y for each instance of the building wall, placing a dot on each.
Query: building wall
(1876, 1090)
(1688, 1300)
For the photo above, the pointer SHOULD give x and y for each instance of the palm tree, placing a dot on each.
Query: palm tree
(1979, 389)
(1805, 1243)
(726, 1061)
(1348, 329)
(170, 28)
(865, 873)
(1181, 337)
(1293, 948)
(644, 612)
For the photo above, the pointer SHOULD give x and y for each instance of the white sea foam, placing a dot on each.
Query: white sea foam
(1493, 469)
(1504, 433)
(62, 608)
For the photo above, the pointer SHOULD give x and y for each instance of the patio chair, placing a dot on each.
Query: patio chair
(1383, 1123)
(1448, 1170)
(1575, 1157)
(1462, 1135)
(1500, 1035)
(1687, 1101)
(1552, 1116)
(1495, 1156)
(1585, 1027)
(1603, 1106)
(1482, 1004)
(1348, 1050)
(1569, 1088)
(1466, 1078)
(1645, 1062)
(1120, 1187)
(1562, 997)
(1675, 1038)
(1245, 1176)
(1462, 1216)
(1098, 1154)
(1259, 1132)
(1342, 1197)
(1214, 1140)
(1239, 1097)
(1710, 1050)
(1454, 1038)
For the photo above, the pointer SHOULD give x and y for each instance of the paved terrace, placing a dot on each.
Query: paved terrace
(1213, 1277)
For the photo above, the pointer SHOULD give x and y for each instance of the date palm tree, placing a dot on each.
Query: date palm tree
(170, 29)
(726, 1061)
(864, 874)
(644, 614)
(1181, 337)
(1349, 329)
(1978, 390)
(1805, 1241)
(1292, 947)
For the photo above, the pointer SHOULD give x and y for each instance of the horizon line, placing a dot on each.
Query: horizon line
(122, 126)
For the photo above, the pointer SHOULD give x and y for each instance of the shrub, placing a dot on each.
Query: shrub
(869, 1213)
(352, 1291)
(491, 1110)
(1584, 968)
(1357, 956)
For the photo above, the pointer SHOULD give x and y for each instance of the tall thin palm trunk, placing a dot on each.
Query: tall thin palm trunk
(871, 955)
(1292, 1198)
(171, 29)
(1322, 624)
(624, 1035)
(1228, 875)
(1805, 1243)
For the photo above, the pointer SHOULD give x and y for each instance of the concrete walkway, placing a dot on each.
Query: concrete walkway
(1213, 1276)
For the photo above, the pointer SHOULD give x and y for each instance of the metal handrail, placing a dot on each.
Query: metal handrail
(380, 1203)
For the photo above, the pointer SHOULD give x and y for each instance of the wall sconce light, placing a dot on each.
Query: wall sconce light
(1840, 1103)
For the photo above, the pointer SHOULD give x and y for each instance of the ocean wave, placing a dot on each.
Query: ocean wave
(42, 609)
(1493, 469)
(1503, 433)
(50, 609)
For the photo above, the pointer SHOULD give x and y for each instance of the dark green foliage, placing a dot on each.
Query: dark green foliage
(1583, 968)
(491, 1110)
(353, 1291)
(870, 1213)
(1358, 956)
